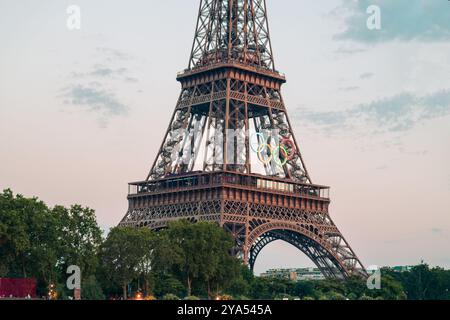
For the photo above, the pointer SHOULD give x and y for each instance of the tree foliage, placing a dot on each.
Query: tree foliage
(204, 255)
(123, 255)
(40, 242)
(185, 260)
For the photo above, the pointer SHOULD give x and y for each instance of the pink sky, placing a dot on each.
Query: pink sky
(372, 118)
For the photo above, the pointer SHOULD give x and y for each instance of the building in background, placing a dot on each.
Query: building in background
(298, 274)
(302, 274)
(402, 268)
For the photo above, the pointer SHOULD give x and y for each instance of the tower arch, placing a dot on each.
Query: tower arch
(205, 170)
(318, 250)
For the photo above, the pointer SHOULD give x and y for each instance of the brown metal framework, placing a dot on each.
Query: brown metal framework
(201, 173)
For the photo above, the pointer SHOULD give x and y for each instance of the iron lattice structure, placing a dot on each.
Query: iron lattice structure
(207, 166)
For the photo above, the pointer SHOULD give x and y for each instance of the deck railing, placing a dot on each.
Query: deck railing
(196, 181)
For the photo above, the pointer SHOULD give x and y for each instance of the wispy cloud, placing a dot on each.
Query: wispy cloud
(131, 79)
(91, 89)
(351, 88)
(442, 233)
(101, 71)
(108, 72)
(393, 114)
(349, 51)
(402, 20)
(95, 99)
(366, 75)
(111, 54)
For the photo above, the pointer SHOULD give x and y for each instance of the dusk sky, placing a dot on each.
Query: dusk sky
(83, 112)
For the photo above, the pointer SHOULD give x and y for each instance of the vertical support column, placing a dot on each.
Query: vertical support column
(161, 148)
(272, 123)
(247, 245)
(245, 49)
(226, 126)
(247, 131)
(230, 27)
(222, 206)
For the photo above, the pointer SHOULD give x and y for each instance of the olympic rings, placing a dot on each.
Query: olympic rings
(280, 154)
(260, 156)
(277, 150)
(292, 145)
(257, 134)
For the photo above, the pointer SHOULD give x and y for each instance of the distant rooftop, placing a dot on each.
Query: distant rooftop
(311, 273)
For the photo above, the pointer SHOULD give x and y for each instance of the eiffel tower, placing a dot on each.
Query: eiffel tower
(230, 155)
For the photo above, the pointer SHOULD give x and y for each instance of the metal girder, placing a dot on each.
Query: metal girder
(330, 264)
(232, 30)
(208, 113)
(204, 171)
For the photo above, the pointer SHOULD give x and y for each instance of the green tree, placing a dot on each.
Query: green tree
(40, 242)
(335, 296)
(227, 268)
(91, 289)
(423, 283)
(303, 289)
(391, 289)
(170, 296)
(166, 255)
(269, 288)
(168, 284)
(13, 236)
(330, 287)
(204, 254)
(355, 287)
(418, 282)
(82, 238)
(240, 285)
(30, 237)
(121, 254)
(442, 288)
(146, 259)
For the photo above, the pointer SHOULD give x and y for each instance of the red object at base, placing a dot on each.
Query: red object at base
(77, 294)
(17, 288)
